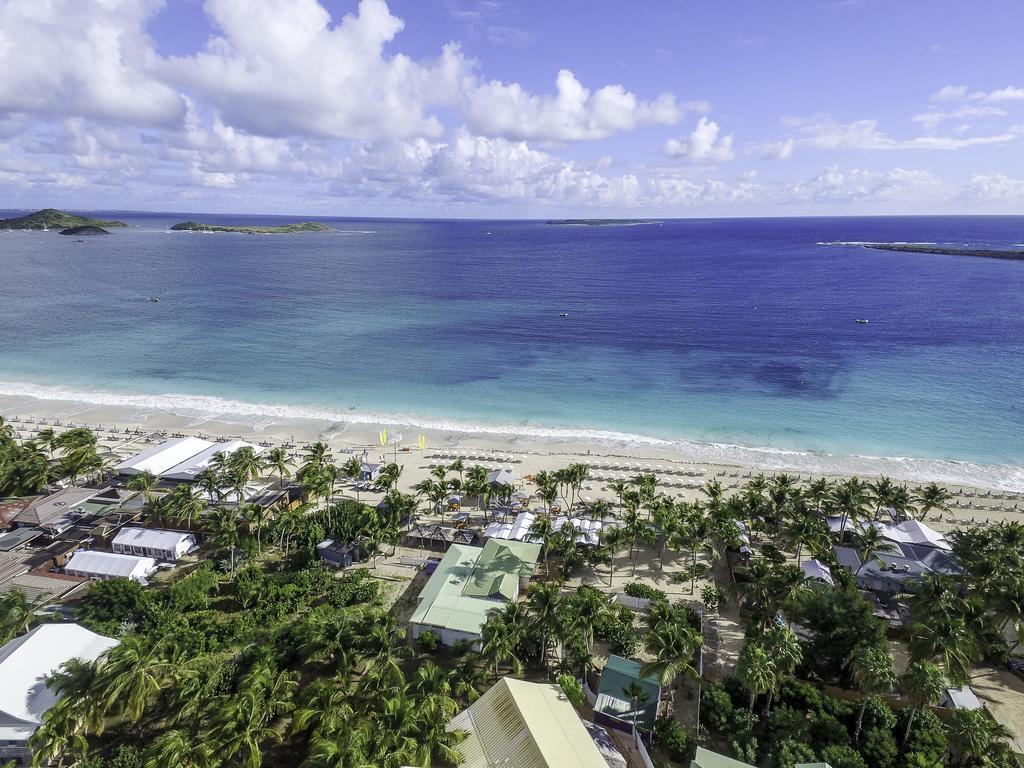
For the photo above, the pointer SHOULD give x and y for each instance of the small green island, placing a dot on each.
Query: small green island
(599, 222)
(284, 229)
(51, 218)
(86, 229)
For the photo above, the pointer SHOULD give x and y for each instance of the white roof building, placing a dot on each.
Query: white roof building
(161, 458)
(519, 529)
(152, 542)
(192, 466)
(25, 663)
(915, 532)
(815, 570)
(110, 565)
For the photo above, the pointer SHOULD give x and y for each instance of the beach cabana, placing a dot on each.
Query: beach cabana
(161, 458)
(501, 477)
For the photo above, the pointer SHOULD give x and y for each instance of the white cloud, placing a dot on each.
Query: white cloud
(574, 113)
(833, 185)
(703, 145)
(83, 58)
(825, 133)
(773, 150)
(962, 93)
(994, 186)
(931, 119)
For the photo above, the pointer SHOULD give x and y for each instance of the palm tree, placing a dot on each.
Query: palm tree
(315, 456)
(925, 684)
(872, 544)
(806, 529)
(132, 676)
(692, 532)
(226, 532)
(636, 696)
(784, 647)
(541, 530)
(277, 460)
(851, 498)
(612, 540)
(544, 604)
(502, 634)
(145, 483)
(755, 669)
(388, 478)
(47, 438)
(16, 613)
(932, 496)
(210, 483)
(257, 517)
(185, 502)
(637, 529)
(973, 735)
(176, 748)
(674, 646)
(873, 672)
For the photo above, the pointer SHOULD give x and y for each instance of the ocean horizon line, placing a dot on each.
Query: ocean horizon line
(260, 416)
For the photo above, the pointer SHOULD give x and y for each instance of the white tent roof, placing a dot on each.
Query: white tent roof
(26, 662)
(161, 458)
(110, 565)
(152, 538)
(519, 530)
(192, 466)
(817, 571)
(915, 532)
(961, 698)
(501, 477)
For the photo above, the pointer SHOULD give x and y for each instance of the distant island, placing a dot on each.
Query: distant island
(942, 250)
(85, 229)
(51, 218)
(598, 222)
(284, 229)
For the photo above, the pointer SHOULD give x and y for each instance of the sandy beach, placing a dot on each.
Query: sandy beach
(982, 494)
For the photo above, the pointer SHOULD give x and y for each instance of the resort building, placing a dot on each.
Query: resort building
(161, 458)
(817, 572)
(526, 725)
(25, 664)
(151, 542)
(469, 582)
(186, 470)
(498, 477)
(707, 759)
(337, 554)
(588, 530)
(615, 708)
(57, 511)
(91, 564)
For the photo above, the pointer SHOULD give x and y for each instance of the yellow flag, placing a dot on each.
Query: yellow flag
(423, 442)
(383, 437)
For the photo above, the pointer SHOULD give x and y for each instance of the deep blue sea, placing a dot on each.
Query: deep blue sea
(726, 331)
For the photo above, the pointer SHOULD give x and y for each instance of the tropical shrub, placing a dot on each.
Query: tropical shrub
(573, 689)
(429, 641)
(928, 736)
(878, 748)
(842, 756)
(792, 752)
(112, 601)
(716, 707)
(713, 597)
(672, 737)
(639, 589)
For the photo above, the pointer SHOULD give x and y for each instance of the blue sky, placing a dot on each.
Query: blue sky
(495, 108)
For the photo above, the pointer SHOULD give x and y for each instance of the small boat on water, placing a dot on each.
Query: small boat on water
(153, 299)
(563, 314)
(862, 321)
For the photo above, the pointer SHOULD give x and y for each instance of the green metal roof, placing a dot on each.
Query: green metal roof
(612, 700)
(706, 759)
(470, 581)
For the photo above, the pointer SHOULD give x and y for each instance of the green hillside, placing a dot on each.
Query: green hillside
(51, 218)
(285, 229)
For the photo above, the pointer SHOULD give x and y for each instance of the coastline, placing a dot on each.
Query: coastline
(543, 447)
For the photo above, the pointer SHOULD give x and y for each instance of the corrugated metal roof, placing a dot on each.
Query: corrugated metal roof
(707, 759)
(151, 538)
(611, 697)
(109, 565)
(457, 595)
(525, 725)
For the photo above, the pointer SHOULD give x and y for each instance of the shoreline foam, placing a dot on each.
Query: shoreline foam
(360, 428)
